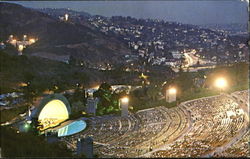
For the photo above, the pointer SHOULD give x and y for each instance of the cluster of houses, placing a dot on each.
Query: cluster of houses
(10, 98)
(21, 44)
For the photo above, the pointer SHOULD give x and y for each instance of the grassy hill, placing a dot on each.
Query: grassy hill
(41, 73)
(58, 37)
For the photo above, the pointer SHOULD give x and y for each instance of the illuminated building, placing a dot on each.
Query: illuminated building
(53, 110)
(31, 41)
(53, 114)
(13, 42)
(24, 37)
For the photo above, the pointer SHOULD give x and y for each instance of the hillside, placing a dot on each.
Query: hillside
(154, 39)
(58, 37)
(45, 74)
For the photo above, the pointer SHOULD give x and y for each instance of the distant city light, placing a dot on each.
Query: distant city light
(143, 76)
(220, 82)
(22, 84)
(24, 37)
(84, 113)
(20, 48)
(13, 41)
(66, 17)
(96, 87)
(31, 41)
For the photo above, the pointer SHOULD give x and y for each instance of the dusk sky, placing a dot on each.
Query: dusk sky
(184, 11)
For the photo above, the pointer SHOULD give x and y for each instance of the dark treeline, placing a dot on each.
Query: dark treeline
(191, 85)
(29, 145)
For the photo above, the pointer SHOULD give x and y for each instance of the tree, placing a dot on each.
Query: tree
(185, 81)
(152, 92)
(28, 93)
(240, 72)
(28, 77)
(23, 145)
(79, 95)
(72, 60)
(108, 101)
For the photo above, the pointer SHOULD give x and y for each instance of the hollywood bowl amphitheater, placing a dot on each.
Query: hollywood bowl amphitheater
(216, 126)
(53, 114)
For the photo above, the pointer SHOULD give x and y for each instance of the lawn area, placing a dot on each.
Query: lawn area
(145, 104)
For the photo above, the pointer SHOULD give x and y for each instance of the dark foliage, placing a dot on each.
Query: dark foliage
(29, 145)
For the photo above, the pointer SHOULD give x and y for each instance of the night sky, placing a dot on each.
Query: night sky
(184, 11)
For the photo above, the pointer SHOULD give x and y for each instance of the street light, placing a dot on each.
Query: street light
(124, 106)
(20, 49)
(172, 91)
(24, 37)
(171, 94)
(96, 87)
(125, 100)
(221, 83)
